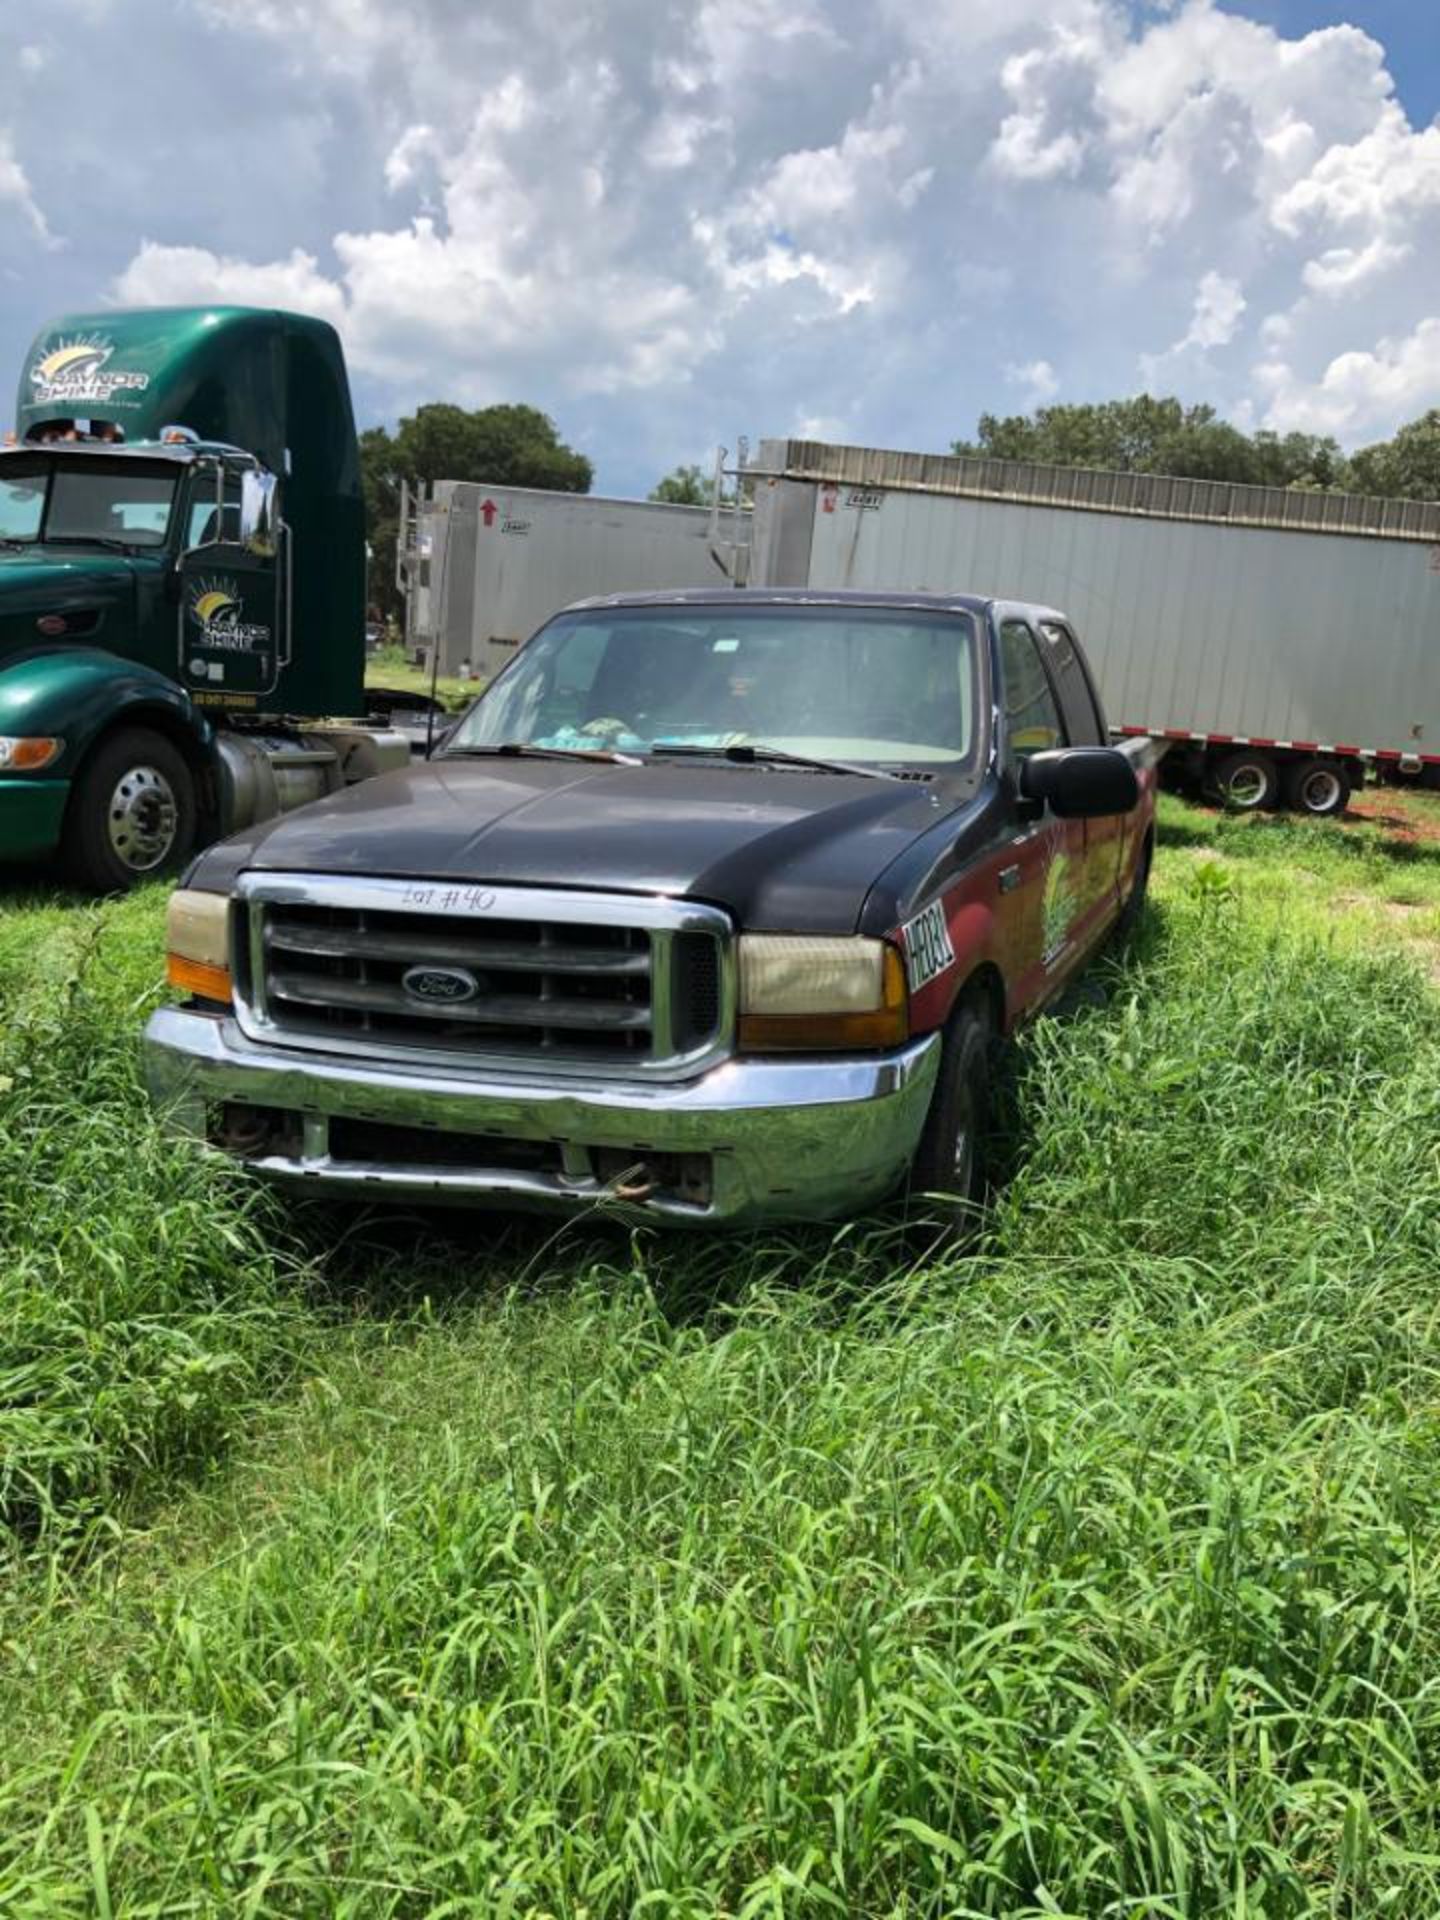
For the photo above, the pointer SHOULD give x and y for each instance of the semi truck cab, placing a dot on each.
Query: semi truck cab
(181, 587)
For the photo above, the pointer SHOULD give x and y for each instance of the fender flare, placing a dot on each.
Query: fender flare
(80, 694)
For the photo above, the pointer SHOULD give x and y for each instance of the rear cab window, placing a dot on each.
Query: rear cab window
(1078, 705)
(1031, 715)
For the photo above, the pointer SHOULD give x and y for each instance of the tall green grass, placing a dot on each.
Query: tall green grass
(144, 1311)
(1095, 1574)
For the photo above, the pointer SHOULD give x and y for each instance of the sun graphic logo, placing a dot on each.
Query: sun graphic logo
(216, 607)
(78, 369)
(1056, 911)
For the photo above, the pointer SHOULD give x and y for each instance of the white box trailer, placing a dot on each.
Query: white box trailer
(493, 563)
(1286, 637)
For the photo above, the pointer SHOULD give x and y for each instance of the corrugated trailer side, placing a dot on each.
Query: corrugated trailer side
(504, 559)
(1296, 626)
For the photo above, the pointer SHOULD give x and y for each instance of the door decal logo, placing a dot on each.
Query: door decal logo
(1058, 909)
(215, 608)
(77, 369)
(928, 951)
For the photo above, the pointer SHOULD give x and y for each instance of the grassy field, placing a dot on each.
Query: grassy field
(389, 668)
(412, 1567)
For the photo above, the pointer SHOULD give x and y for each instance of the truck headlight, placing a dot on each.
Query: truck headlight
(21, 753)
(197, 944)
(820, 993)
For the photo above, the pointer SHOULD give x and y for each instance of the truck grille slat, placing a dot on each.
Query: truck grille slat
(494, 955)
(499, 1010)
(586, 982)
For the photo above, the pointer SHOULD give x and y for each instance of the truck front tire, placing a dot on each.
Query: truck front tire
(131, 815)
(948, 1174)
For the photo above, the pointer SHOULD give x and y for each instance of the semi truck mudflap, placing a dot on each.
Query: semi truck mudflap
(230, 627)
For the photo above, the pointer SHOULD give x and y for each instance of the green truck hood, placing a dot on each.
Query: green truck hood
(53, 576)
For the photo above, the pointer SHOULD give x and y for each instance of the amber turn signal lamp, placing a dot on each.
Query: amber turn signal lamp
(194, 976)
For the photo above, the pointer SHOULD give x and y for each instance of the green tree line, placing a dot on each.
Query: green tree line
(1148, 435)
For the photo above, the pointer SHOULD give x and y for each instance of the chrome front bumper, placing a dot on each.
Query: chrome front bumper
(761, 1140)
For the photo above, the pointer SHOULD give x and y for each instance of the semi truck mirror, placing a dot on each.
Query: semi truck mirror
(257, 511)
(1081, 783)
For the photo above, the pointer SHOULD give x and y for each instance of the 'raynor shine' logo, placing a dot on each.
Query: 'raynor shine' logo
(77, 370)
(215, 609)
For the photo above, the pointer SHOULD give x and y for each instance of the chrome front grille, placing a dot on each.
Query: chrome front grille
(588, 982)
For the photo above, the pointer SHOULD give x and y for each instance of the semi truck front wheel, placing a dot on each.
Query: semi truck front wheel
(132, 813)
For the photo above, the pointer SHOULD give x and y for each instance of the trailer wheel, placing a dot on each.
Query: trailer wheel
(131, 815)
(948, 1183)
(1246, 781)
(1317, 787)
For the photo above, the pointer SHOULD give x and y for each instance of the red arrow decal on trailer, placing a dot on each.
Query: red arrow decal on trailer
(488, 511)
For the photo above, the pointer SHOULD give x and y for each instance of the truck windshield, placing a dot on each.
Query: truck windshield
(85, 502)
(882, 686)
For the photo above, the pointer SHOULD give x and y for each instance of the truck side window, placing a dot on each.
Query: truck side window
(1077, 702)
(207, 523)
(1032, 719)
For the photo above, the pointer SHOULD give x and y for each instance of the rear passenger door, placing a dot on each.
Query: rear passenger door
(1042, 879)
(1098, 873)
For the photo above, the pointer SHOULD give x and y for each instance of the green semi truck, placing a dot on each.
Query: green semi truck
(182, 557)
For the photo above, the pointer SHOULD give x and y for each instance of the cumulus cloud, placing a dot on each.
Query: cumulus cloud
(1393, 381)
(16, 190)
(1036, 379)
(670, 225)
(161, 276)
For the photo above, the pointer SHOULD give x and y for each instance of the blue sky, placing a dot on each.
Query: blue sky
(671, 224)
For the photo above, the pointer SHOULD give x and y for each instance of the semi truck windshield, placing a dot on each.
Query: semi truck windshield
(870, 685)
(81, 503)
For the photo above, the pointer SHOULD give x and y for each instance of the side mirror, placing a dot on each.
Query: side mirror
(1081, 783)
(258, 511)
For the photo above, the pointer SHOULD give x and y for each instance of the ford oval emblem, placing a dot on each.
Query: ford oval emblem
(441, 986)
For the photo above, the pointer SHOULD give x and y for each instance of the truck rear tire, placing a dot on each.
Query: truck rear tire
(131, 816)
(1132, 912)
(948, 1182)
(1246, 781)
(1317, 787)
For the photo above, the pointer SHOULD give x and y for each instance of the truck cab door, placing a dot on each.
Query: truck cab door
(1042, 882)
(230, 618)
(1099, 874)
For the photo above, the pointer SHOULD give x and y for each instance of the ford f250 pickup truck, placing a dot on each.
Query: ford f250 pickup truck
(714, 905)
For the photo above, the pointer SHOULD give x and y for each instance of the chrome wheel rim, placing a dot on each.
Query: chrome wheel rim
(142, 819)
(1246, 788)
(1320, 790)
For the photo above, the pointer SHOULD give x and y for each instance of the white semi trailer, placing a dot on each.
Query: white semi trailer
(1284, 639)
(484, 566)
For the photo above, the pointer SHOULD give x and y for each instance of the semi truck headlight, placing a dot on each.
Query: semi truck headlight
(197, 944)
(810, 992)
(28, 753)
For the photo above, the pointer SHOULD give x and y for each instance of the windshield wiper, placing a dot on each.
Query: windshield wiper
(90, 540)
(522, 749)
(746, 756)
